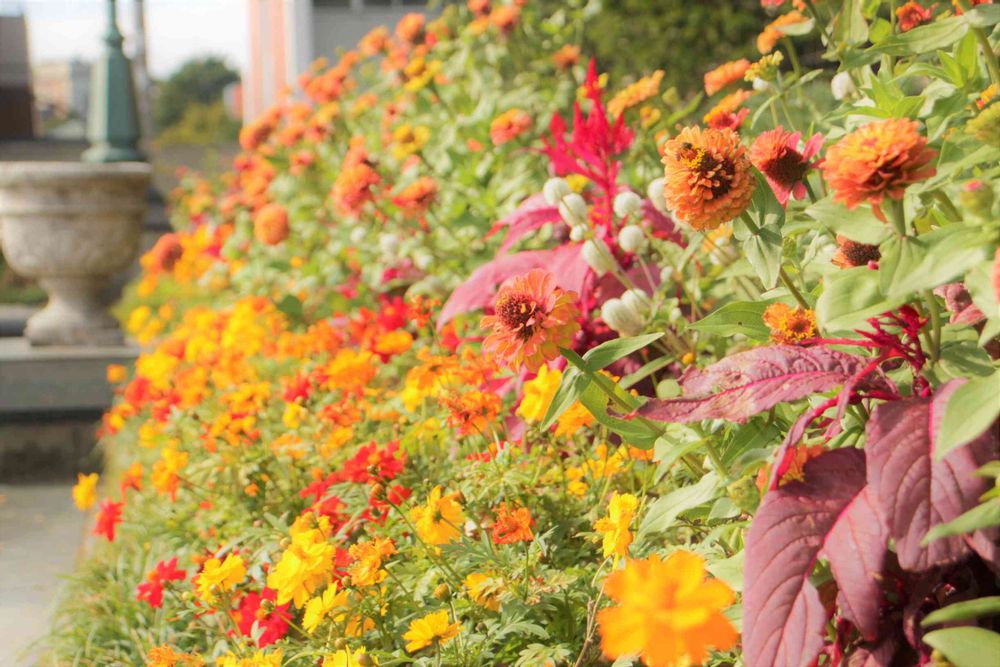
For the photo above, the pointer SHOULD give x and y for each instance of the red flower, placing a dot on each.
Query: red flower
(151, 590)
(109, 516)
(912, 15)
(372, 464)
(776, 154)
(270, 618)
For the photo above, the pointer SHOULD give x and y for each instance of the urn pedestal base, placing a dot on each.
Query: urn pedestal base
(75, 315)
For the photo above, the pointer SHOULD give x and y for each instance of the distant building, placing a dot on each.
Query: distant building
(62, 89)
(287, 35)
(17, 116)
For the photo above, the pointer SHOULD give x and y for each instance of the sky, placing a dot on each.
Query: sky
(176, 30)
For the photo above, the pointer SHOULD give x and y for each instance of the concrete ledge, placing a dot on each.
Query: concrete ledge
(45, 379)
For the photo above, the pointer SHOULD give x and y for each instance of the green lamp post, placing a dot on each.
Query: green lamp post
(113, 123)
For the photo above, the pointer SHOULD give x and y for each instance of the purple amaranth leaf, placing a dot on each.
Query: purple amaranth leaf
(879, 655)
(661, 226)
(529, 216)
(783, 618)
(751, 382)
(479, 290)
(912, 491)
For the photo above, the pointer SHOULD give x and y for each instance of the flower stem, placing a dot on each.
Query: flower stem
(935, 313)
(787, 281)
(947, 206)
(897, 216)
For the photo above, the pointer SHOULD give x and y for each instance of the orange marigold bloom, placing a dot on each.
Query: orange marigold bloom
(851, 253)
(708, 178)
(767, 40)
(513, 524)
(723, 75)
(668, 613)
(776, 154)
(533, 319)
(416, 197)
(789, 325)
(270, 225)
(509, 125)
(912, 15)
(471, 411)
(878, 160)
(566, 57)
(352, 189)
(411, 27)
(638, 92)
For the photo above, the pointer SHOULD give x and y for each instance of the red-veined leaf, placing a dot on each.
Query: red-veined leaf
(660, 225)
(748, 383)
(783, 618)
(529, 216)
(479, 289)
(879, 655)
(912, 491)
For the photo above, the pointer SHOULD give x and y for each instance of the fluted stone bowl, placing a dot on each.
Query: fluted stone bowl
(71, 226)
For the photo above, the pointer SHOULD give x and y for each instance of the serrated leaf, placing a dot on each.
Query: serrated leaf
(737, 317)
(966, 647)
(750, 382)
(964, 611)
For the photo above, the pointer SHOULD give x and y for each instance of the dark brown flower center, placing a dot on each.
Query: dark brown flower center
(518, 314)
(859, 254)
(787, 168)
(715, 175)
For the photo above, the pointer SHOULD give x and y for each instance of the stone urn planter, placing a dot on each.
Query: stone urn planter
(72, 226)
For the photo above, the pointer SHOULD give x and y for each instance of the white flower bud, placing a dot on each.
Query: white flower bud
(631, 238)
(621, 318)
(358, 235)
(596, 255)
(675, 315)
(842, 86)
(655, 193)
(627, 203)
(388, 243)
(555, 189)
(760, 84)
(573, 209)
(638, 301)
(578, 233)
(423, 260)
(666, 274)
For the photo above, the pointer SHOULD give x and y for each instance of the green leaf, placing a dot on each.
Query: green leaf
(290, 306)
(969, 412)
(948, 252)
(763, 251)
(900, 257)
(611, 351)
(645, 371)
(633, 432)
(983, 16)
(984, 515)
(737, 317)
(850, 297)
(662, 514)
(859, 225)
(924, 39)
(963, 611)
(965, 359)
(762, 247)
(966, 647)
(572, 385)
(850, 26)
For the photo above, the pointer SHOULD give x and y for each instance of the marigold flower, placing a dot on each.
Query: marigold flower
(438, 520)
(776, 154)
(708, 178)
(217, 576)
(417, 197)
(270, 225)
(484, 589)
(667, 613)
(109, 516)
(85, 491)
(876, 161)
(533, 319)
(434, 629)
(724, 75)
(912, 14)
(471, 412)
(320, 606)
(851, 253)
(772, 34)
(567, 56)
(615, 527)
(509, 125)
(409, 139)
(353, 187)
(478, 7)
(789, 325)
(304, 566)
(166, 656)
(635, 94)
(164, 254)
(512, 524)
(985, 97)
(151, 590)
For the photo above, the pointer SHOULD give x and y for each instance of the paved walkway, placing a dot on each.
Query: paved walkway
(40, 535)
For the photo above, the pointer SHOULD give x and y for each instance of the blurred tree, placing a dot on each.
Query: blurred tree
(202, 124)
(199, 81)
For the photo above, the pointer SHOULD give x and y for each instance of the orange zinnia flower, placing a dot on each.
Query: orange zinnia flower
(417, 196)
(878, 160)
(767, 40)
(534, 317)
(410, 28)
(707, 176)
(776, 154)
(505, 17)
(912, 15)
(513, 524)
(667, 613)
(727, 113)
(638, 92)
(723, 75)
(566, 57)
(375, 41)
(789, 325)
(352, 189)
(508, 125)
(270, 225)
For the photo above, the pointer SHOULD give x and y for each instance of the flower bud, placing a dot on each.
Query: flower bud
(555, 189)
(573, 209)
(655, 194)
(744, 494)
(377, 492)
(977, 197)
(638, 301)
(842, 86)
(442, 592)
(358, 235)
(388, 243)
(627, 203)
(423, 260)
(578, 233)
(340, 643)
(621, 317)
(631, 238)
(597, 257)
(364, 660)
(760, 84)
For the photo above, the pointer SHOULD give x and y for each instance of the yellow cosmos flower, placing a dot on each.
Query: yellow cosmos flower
(258, 659)
(538, 394)
(420, 72)
(433, 629)
(320, 607)
(615, 527)
(85, 491)
(345, 658)
(484, 589)
(219, 575)
(304, 567)
(438, 520)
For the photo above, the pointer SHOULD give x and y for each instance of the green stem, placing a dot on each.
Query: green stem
(932, 306)
(989, 55)
(897, 215)
(787, 281)
(713, 456)
(947, 206)
(792, 56)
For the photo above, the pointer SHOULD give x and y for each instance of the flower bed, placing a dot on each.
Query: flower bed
(428, 381)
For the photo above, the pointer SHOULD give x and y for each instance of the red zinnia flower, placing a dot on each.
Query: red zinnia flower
(912, 15)
(151, 590)
(776, 154)
(109, 516)
(533, 318)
